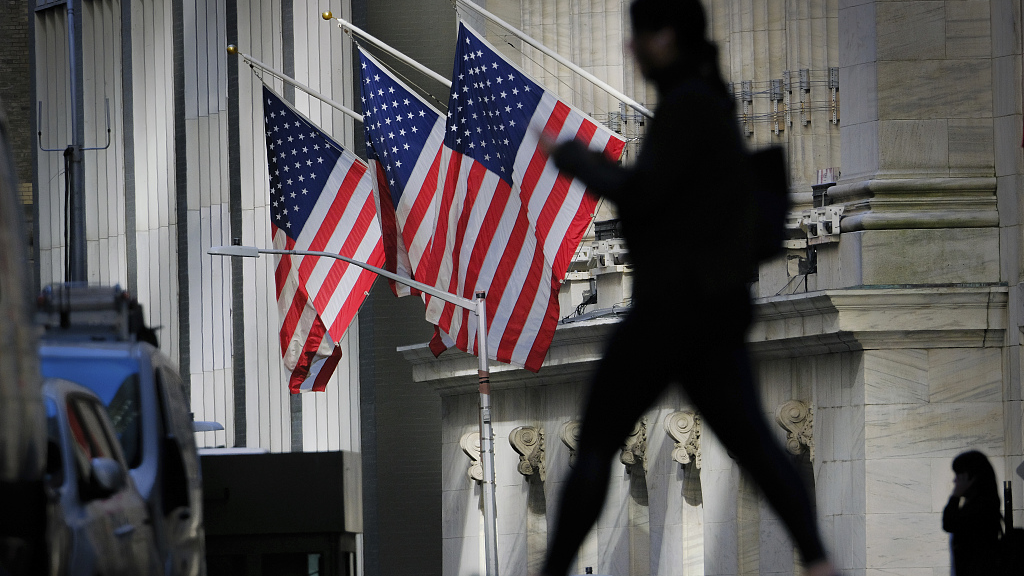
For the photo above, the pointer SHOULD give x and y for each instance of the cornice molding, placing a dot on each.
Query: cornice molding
(828, 321)
(575, 350)
(879, 318)
(890, 203)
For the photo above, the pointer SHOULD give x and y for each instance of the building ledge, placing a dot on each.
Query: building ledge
(575, 349)
(929, 316)
(822, 322)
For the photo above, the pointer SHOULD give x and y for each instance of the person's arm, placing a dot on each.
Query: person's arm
(970, 516)
(601, 176)
(950, 514)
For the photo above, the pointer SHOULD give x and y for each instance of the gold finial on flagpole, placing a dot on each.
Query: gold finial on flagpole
(327, 15)
(232, 49)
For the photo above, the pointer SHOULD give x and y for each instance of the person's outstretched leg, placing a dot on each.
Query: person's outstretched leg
(722, 389)
(623, 387)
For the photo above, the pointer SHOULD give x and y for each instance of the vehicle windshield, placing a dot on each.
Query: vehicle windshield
(116, 382)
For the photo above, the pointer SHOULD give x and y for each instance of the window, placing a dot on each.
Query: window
(89, 435)
(116, 382)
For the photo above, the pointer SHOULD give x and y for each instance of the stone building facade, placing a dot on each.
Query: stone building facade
(888, 335)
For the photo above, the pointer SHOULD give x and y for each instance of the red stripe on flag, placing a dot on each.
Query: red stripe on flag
(578, 225)
(473, 182)
(284, 264)
(358, 292)
(388, 223)
(291, 319)
(484, 246)
(348, 248)
(421, 207)
(474, 178)
(542, 342)
(527, 295)
(306, 357)
(437, 247)
(539, 159)
(335, 211)
(503, 274)
(327, 370)
(436, 345)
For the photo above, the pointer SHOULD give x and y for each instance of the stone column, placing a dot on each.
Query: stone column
(720, 480)
(917, 154)
(676, 506)
(918, 185)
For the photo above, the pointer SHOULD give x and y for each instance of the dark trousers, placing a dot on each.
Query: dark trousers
(643, 358)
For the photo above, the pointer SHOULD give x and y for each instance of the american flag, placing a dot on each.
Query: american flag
(320, 200)
(403, 145)
(508, 221)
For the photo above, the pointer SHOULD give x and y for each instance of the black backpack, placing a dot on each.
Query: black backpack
(768, 179)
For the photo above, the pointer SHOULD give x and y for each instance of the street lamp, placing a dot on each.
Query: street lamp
(479, 306)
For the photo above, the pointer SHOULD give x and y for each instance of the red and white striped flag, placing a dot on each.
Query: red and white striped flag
(321, 200)
(508, 221)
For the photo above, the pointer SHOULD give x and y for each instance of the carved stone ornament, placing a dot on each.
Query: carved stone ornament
(684, 428)
(570, 434)
(797, 420)
(634, 450)
(528, 441)
(470, 443)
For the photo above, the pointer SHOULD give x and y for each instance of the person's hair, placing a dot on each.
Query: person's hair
(980, 470)
(687, 19)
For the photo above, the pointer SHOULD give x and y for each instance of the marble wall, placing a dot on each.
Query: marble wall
(884, 426)
(903, 341)
(652, 523)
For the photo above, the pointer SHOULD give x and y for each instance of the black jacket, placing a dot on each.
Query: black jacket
(975, 527)
(679, 203)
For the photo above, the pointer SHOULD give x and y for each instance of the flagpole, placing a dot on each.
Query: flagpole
(486, 440)
(232, 49)
(483, 374)
(345, 24)
(523, 36)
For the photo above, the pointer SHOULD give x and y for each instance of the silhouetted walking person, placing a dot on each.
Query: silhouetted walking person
(691, 303)
(972, 516)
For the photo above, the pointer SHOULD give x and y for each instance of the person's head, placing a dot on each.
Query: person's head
(978, 471)
(669, 35)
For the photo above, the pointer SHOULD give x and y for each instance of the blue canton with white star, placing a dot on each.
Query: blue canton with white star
(395, 122)
(300, 158)
(490, 106)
